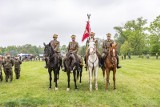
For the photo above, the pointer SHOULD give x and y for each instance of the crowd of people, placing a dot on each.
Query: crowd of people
(6, 64)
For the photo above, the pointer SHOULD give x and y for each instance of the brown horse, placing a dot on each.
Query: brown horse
(111, 64)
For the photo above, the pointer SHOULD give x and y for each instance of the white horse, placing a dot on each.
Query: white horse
(93, 64)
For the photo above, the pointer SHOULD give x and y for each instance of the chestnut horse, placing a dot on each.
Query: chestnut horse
(111, 64)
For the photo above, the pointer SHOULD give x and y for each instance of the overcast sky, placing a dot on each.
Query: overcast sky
(35, 21)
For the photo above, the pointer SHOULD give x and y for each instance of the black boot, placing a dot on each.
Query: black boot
(100, 60)
(85, 61)
(118, 66)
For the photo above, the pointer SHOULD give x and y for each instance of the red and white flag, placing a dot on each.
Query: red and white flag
(87, 31)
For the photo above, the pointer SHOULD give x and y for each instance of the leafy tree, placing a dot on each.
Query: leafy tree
(154, 30)
(134, 33)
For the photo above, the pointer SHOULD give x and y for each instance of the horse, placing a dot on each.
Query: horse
(71, 64)
(111, 64)
(52, 64)
(93, 64)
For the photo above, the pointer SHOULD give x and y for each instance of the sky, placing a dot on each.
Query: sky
(35, 21)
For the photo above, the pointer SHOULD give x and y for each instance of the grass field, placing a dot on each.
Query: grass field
(138, 85)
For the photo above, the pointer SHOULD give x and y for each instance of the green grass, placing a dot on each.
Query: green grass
(138, 85)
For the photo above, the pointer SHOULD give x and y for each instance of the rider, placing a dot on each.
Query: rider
(91, 38)
(55, 44)
(106, 45)
(73, 49)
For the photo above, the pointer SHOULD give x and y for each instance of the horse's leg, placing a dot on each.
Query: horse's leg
(95, 78)
(50, 76)
(114, 78)
(80, 75)
(68, 75)
(107, 78)
(103, 70)
(74, 75)
(90, 79)
(55, 78)
(58, 74)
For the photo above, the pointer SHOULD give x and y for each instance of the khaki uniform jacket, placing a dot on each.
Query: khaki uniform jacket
(8, 63)
(73, 47)
(17, 63)
(106, 45)
(55, 45)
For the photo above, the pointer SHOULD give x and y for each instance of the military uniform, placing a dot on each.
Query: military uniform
(55, 46)
(8, 63)
(106, 44)
(17, 68)
(73, 49)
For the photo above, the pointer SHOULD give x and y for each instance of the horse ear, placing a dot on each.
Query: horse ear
(44, 44)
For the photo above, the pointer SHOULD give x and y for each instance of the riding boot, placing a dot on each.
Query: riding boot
(100, 65)
(99, 57)
(78, 60)
(118, 66)
(85, 60)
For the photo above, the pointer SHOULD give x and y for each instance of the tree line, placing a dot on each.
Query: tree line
(135, 37)
(138, 37)
(28, 48)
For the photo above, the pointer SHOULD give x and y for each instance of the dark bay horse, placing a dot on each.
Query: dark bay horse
(52, 63)
(71, 64)
(111, 64)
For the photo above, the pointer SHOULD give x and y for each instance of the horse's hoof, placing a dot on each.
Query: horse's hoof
(56, 88)
(68, 89)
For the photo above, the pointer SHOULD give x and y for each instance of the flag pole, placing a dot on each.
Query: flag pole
(89, 15)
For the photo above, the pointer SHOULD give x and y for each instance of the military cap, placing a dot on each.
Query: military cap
(73, 36)
(92, 33)
(55, 36)
(108, 35)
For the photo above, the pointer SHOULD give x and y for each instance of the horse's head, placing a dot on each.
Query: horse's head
(92, 48)
(48, 51)
(112, 49)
